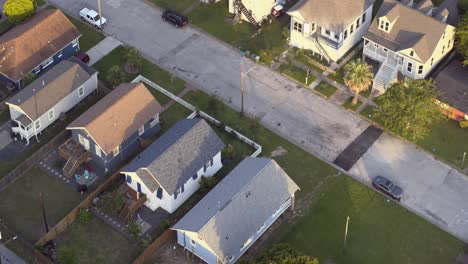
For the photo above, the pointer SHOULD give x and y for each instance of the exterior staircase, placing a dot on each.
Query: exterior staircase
(130, 207)
(384, 78)
(320, 48)
(241, 9)
(75, 155)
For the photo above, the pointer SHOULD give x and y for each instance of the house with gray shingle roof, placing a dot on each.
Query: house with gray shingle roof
(169, 171)
(54, 93)
(407, 39)
(232, 216)
(329, 28)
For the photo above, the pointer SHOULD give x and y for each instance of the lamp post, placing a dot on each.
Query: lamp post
(243, 74)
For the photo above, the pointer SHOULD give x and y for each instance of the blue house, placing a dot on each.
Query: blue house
(232, 216)
(37, 44)
(111, 129)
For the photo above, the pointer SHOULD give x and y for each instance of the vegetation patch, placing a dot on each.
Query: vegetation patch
(325, 89)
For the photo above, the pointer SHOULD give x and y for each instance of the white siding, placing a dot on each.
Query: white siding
(167, 202)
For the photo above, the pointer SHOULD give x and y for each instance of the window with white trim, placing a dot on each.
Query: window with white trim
(345, 34)
(432, 61)
(410, 67)
(420, 69)
(59, 55)
(411, 53)
(351, 30)
(297, 26)
(363, 17)
(384, 25)
(47, 62)
(81, 91)
(51, 114)
(37, 124)
(141, 130)
(357, 23)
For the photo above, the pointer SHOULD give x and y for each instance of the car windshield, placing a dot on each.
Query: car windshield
(96, 18)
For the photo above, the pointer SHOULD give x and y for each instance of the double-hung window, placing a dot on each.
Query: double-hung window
(51, 114)
(81, 91)
(297, 26)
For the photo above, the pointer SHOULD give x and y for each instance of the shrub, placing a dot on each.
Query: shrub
(115, 76)
(464, 123)
(134, 229)
(463, 6)
(84, 216)
(146, 241)
(28, 79)
(207, 183)
(18, 10)
(66, 255)
(229, 152)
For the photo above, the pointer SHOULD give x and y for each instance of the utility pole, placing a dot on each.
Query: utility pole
(346, 233)
(463, 161)
(100, 15)
(44, 213)
(242, 83)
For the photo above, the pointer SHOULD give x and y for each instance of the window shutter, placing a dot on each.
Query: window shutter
(195, 176)
(182, 188)
(159, 193)
(129, 179)
(175, 195)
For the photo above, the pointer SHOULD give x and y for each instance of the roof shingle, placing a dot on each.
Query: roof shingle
(30, 43)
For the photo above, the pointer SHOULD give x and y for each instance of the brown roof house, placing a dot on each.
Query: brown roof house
(38, 43)
(407, 39)
(329, 28)
(112, 128)
(51, 95)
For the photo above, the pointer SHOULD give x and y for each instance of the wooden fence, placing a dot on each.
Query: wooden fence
(70, 218)
(32, 160)
(153, 247)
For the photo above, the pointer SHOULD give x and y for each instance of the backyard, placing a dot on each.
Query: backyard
(20, 206)
(95, 242)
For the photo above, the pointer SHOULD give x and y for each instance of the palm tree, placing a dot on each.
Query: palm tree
(115, 76)
(133, 59)
(358, 77)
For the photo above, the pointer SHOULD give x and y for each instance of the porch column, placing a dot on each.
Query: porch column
(292, 203)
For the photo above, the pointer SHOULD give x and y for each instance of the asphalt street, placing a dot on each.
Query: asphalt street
(432, 189)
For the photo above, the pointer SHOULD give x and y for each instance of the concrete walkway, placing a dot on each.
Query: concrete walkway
(432, 189)
(8, 257)
(102, 49)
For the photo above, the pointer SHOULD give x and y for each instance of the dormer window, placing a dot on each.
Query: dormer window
(384, 25)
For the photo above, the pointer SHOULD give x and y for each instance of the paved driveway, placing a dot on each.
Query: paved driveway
(315, 124)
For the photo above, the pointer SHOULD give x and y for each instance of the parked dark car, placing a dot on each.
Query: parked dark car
(83, 57)
(178, 20)
(387, 187)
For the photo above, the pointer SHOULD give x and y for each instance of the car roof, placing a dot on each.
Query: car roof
(92, 12)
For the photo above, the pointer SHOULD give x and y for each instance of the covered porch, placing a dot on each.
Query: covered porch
(25, 128)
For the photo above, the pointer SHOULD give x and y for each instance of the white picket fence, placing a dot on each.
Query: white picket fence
(195, 113)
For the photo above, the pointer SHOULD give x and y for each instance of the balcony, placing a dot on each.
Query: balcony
(373, 52)
(327, 41)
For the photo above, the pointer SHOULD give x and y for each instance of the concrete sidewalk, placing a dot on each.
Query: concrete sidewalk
(102, 49)
(294, 112)
(8, 257)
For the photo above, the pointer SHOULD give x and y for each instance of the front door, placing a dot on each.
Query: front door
(83, 141)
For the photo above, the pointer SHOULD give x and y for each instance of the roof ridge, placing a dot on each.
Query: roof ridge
(237, 194)
(175, 142)
(419, 12)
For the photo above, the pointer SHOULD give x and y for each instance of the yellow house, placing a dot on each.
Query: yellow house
(329, 28)
(407, 39)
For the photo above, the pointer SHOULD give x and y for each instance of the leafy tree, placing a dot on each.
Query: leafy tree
(28, 79)
(18, 10)
(409, 108)
(207, 183)
(358, 77)
(282, 254)
(133, 59)
(462, 38)
(84, 216)
(115, 76)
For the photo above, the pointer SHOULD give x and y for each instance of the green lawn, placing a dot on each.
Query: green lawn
(443, 140)
(5, 25)
(90, 36)
(268, 44)
(296, 73)
(49, 133)
(178, 5)
(20, 207)
(379, 231)
(348, 104)
(96, 242)
(325, 89)
(149, 70)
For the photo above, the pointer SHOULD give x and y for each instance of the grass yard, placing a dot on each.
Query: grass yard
(177, 5)
(325, 89)
(20, 207)
(443, 140)
(90, 36)
(379, 231)
(296, 73)
(268, 43)
(348, 104)
(5, 25)
(96, 242)
(150, 71)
